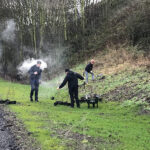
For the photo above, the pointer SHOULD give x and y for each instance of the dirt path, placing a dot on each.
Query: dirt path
(6, 137)
(13, 135)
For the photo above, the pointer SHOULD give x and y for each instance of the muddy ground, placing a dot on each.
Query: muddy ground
(13, 135)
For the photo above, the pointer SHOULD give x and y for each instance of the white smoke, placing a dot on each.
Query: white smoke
(53, 83)
(9, 33)
(27, 64)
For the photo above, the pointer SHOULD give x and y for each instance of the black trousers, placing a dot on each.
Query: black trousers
(74, 95)
(34, 88)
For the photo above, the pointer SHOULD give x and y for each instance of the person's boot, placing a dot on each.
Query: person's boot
(77, 102)
(72, 104)
(78, 105)
(36, 95)
(31, 95)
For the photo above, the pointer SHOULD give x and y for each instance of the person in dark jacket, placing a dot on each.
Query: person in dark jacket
(72, 79)
(88, 69)
(35, 75)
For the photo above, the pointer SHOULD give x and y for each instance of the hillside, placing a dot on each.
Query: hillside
(114, 23)
(120, 122)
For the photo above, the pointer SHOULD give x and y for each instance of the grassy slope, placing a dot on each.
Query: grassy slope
(114, 125)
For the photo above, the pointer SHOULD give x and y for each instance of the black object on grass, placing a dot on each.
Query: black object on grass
(62, 103)
(7, 102)
(100, 77)
(91, 100)
(52, 98)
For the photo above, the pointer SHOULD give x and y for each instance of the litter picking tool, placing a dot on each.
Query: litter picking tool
(53, 97)
(60, 102)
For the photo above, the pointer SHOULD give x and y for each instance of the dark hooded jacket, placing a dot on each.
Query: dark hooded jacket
(72, 79)
(32, 75)
(89, 67)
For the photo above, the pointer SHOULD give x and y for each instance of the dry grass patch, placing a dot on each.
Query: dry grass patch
(115, 60)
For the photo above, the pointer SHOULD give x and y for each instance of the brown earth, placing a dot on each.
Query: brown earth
(13, 135)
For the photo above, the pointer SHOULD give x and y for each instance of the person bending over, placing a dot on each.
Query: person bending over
(88, 69)
(35, 75)
(72, 79)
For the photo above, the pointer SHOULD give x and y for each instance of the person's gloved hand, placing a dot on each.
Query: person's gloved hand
(92, 72)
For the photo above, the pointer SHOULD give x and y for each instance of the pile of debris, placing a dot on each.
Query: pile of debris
(91, 99)
(62, 103)
(100, 77)
(7, 102)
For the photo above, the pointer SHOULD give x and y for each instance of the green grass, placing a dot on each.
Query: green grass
(114, 125)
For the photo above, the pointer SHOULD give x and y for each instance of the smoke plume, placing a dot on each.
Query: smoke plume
(27, 64)
(9, 33)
